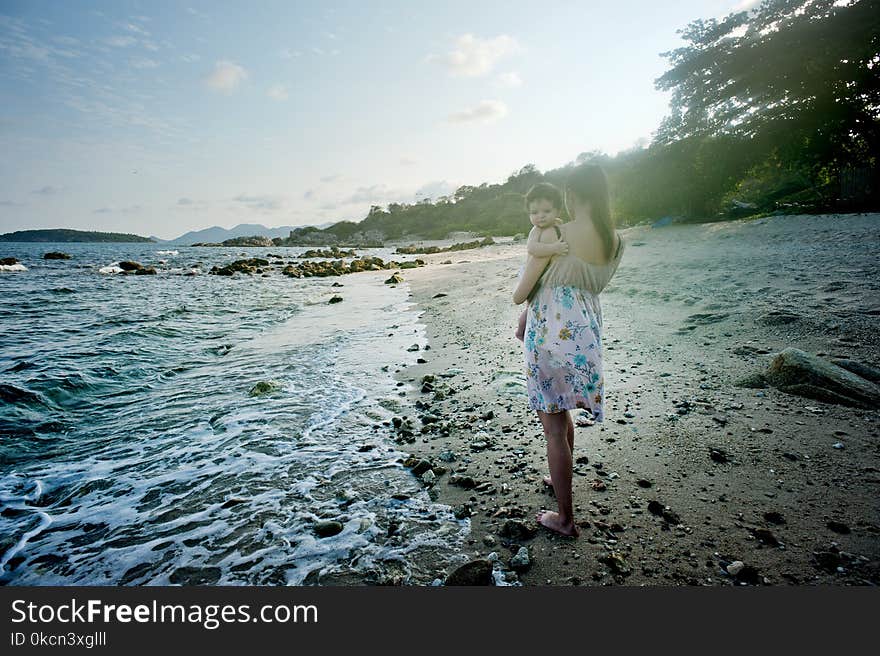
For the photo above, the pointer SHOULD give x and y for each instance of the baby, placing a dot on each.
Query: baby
(543, 202)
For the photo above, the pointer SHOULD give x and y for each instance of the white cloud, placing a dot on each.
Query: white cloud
(131, 27)
(226, 76)
(190, 204)
(262, 203)
(407, 161)
(472, 56)
(743, 5)
(114, 110)
(190, 58)
(511, 79)
(120, 41)
(487, 111)
(118, 210)
(277, 92)
(287, 53)
(374, 194)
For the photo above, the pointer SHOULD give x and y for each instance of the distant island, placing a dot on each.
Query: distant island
(65, 235)
(253, 240)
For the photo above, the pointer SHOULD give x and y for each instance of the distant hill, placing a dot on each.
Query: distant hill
(216, 234)
(65, 235)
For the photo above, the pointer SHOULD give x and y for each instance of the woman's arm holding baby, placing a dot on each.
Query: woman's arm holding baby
(535, 266)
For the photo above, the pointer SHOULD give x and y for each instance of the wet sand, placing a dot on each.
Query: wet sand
(689, 473)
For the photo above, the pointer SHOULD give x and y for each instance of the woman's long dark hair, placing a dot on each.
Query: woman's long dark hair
(587, 182)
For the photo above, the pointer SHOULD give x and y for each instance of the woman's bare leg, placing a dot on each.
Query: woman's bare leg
(559, 460)
(548, 480)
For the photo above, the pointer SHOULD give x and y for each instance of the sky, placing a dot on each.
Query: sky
(158, 117)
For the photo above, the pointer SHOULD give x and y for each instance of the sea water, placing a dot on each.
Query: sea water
(131, 449)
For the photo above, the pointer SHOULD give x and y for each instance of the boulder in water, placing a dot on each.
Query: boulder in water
(264, 387)
(326, 529)
(11, 264)
(56, 255)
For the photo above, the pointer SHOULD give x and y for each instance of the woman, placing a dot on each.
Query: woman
(563, 341)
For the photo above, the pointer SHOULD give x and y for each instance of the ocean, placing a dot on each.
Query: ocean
(131, 449)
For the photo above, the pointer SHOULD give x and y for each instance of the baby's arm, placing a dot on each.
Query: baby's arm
(534, 268)
(535, 247)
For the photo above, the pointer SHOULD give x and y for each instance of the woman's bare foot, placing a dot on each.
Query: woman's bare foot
(550, 519)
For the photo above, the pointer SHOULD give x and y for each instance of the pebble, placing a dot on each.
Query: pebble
(521, 561)
(476, 572)
(838, 527)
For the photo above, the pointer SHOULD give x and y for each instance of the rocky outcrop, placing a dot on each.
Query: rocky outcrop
(128, 267)
(311, 268)
(339, 267)
(425, 250)
(56, 255)
(254, 240)
(796, 372)
(249, 266)
(333, 252)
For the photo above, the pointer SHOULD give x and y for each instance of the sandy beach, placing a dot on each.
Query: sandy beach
(690, 477)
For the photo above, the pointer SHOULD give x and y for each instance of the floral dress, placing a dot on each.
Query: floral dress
(563, 340)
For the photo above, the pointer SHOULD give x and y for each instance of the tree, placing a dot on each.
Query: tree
(800, 76)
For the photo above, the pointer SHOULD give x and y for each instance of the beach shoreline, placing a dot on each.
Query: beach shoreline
(690, 477)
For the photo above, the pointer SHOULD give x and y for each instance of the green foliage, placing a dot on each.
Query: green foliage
(794, 77)
(66, 235)
(772, 185)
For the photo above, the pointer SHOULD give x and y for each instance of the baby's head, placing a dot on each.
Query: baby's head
(544, 203)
